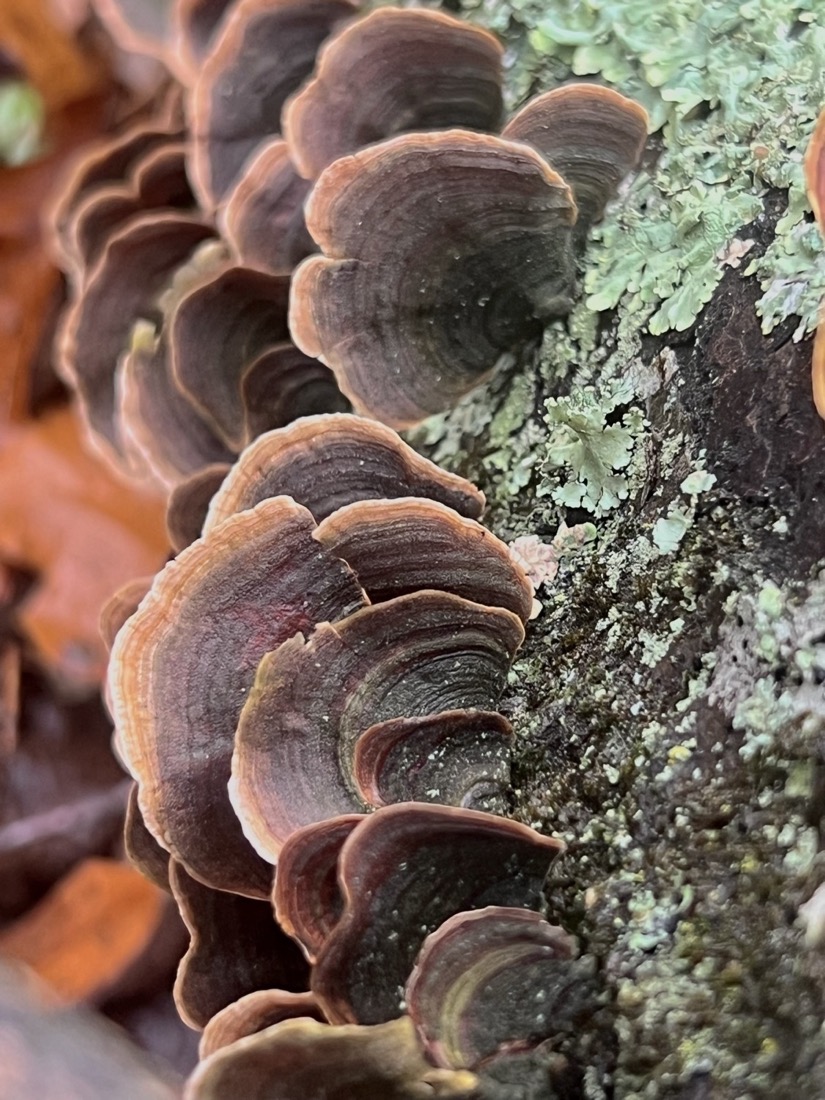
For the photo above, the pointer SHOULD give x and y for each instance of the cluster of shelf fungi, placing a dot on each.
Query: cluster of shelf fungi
(327, 230)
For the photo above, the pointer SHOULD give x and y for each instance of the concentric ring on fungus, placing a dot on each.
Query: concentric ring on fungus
(413, 655)
(473, 256)
(263, 53)
(96, 329)
(490, 978)
(182, 665)
(391, 72)
(404, 871)
(328, 461)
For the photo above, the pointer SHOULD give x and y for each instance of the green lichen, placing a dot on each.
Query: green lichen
(789, 656)
(592, 453)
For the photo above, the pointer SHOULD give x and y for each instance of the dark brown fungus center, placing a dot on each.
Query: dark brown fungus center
(494, 979)
(457, 758)
(472, 256)
(236, 949)
(404, 871)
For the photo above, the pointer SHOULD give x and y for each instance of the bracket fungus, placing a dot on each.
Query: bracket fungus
(181, 668)
(97, 327)
(491, 979)
(218, 330)
(189, 502)
(307, 895)
(156, 181)
(593, 136)
(473, 255)
(458, 757)
(305, 694)
(264, 52)
(108, 165)
(405, 870)
(328, 461)
(393, 71)
(304, 1058)
(413, 655)
(237, 605)
(263, 217)
(236, 949)
(160, 431)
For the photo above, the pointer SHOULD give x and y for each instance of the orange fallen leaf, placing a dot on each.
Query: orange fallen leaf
(31, 283)
(88, 930)
(51, 58)
(85, 532)
(815, 171)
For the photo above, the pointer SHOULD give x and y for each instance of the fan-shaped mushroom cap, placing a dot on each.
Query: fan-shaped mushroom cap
(158, 180)
(283, 385)
(159, 427)
(593, 136)
(142, 850)
(217, 331)
(303, 1058)
(400, 546)
(253, 1013)
(403, 871)
(237, 948)
(307, 898)
(107, 164)
(325, 462)
(472, 255)
(189, 503)
(457, 758)
(488, 979)
(182, 666)
(265, 51)
(263, 219)
(97, 327)
(414, 655)
(391, 72)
